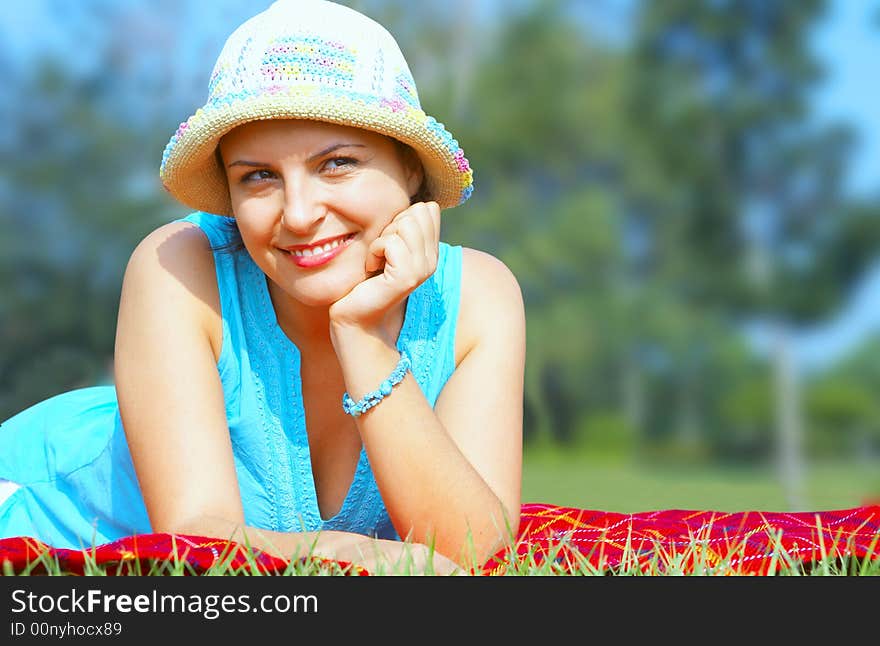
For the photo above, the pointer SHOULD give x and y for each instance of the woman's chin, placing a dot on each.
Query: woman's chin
(322, 294)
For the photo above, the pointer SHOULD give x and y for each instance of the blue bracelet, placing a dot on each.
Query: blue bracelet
(371, 399)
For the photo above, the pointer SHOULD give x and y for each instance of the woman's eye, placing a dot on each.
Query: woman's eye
(338, 163)
(258, 176)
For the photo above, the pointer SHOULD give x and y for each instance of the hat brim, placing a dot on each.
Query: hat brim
(191, 173)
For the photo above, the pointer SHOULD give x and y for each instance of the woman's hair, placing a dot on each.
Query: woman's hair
(410, 156)
(407, 156)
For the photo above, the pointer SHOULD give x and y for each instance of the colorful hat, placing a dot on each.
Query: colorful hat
(309, 59)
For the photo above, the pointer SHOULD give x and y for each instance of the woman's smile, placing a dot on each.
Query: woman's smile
(319, 253)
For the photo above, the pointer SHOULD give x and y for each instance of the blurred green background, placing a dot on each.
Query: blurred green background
(686, 224)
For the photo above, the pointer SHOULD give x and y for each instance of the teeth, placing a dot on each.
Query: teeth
(311, 251)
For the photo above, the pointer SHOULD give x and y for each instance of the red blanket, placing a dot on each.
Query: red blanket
(673, 540)
(554, 538)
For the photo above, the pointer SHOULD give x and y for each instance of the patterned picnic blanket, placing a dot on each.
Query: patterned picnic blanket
(560, 539)
(690, 541)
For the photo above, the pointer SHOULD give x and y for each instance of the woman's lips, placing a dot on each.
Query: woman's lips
(316, 256)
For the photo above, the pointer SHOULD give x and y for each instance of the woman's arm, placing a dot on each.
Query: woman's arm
(169, 392)
(378, 556)
(450, 476)
(172, 406)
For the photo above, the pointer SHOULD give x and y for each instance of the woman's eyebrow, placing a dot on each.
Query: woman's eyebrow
(317, 155)
(333, 148)
(243, 162)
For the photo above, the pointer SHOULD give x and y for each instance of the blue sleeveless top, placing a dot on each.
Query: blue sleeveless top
(69, 456)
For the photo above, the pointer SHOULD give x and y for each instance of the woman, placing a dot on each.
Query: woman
(301, 364)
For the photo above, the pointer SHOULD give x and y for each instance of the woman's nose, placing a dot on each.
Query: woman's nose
(303, 206)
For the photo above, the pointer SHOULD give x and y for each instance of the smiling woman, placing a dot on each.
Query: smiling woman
(297, 187)
(340, 380)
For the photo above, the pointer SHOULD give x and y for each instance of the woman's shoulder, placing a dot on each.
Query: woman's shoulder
(193, 251)
(487, 279)
(180, 237)
(172, 269)
(491, 298)
(176, 252)
(198, 234)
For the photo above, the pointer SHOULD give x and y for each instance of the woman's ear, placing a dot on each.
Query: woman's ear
(414, 172)
(415, 181)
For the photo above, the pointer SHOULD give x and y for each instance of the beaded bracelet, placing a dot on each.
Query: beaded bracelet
(371, 399)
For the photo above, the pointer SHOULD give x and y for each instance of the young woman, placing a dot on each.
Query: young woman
(301, 363)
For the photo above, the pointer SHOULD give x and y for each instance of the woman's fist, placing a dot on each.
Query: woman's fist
(399, 260)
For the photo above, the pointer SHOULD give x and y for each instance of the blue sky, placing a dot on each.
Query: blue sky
(850, 42)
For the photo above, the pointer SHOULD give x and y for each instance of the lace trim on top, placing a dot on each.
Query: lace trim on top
(293, 434)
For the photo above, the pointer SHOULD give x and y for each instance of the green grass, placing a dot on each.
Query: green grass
(570, 478)
(573, 479)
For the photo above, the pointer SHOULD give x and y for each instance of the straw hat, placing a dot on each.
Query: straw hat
(309, 59)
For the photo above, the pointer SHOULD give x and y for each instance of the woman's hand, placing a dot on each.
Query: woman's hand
(380, 556)
(399, 260)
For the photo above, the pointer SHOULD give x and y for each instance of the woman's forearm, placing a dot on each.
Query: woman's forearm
(286, 545)
(376, 555)
(433, 494)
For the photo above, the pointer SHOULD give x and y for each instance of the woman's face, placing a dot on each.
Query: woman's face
(309, 197)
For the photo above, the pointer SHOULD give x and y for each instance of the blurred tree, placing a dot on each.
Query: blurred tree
(566, 195)
(468, 72)
(80, 175)
(719, 101)
(844, 407)
(74, 207)
(543, 203)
